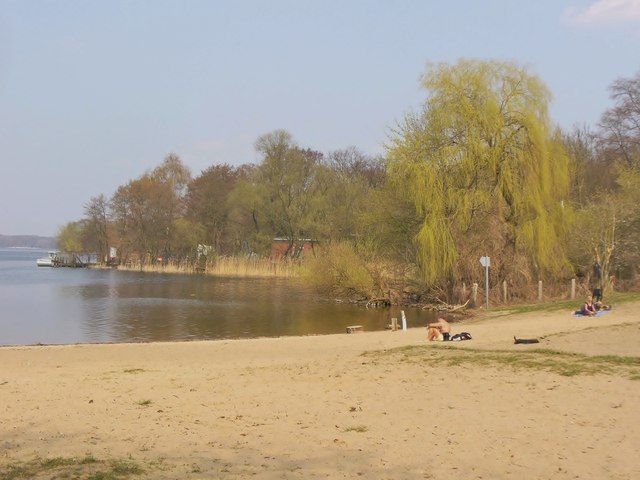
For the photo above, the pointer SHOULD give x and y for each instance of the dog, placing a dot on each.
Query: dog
(525, 340)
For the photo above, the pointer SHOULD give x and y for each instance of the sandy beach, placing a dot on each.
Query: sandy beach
(378, 405)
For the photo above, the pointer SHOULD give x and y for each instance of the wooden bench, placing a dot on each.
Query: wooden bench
(354, 329)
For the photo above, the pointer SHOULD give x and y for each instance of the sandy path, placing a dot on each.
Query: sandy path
(315, 407)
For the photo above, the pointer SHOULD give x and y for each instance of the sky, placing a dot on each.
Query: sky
(95, 93)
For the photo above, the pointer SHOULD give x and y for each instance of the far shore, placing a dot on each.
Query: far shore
(366, 405)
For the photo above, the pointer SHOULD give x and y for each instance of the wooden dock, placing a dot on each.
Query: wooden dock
(73, 260)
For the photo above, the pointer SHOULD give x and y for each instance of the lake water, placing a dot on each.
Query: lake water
(80, 305)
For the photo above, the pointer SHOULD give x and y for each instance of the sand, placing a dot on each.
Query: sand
(316, 407)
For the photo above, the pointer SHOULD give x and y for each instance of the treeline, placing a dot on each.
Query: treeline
(27, 241)
(478, 170)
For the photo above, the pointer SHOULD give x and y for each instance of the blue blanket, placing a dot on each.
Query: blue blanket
(601, 312)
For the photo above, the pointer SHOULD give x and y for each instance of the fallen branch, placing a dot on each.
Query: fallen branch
(445, 307)
(376, 302)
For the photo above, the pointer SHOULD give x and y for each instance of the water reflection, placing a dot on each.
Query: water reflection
(79, 305)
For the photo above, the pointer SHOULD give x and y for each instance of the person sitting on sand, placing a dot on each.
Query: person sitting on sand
(440, 330)
(588, 308)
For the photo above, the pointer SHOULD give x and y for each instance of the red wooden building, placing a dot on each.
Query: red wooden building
(284, 248)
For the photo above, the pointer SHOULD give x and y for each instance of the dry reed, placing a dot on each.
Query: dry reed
(223, 266)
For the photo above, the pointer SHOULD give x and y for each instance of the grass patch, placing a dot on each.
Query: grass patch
(73, 468)
(561, 363)
(614, 298)
(144, 403)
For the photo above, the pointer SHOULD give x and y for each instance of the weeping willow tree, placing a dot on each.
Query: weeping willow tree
(484, 171)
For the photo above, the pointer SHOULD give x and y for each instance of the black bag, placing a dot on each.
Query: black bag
(458, 337)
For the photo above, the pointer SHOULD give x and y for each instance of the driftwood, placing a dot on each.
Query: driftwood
(454, 308)
(377, 302)
(445, 307)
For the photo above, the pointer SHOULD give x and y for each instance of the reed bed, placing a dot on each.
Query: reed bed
(255, 267)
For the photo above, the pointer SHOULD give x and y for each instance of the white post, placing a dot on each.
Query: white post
(486, 283)
(474, 295)
(486, 263)
(573, 289)
(540, 290)
(404, 321)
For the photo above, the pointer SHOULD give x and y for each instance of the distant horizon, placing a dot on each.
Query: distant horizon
(40, 242)
(26, 235)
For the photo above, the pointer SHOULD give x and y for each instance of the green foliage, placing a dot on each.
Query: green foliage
(478, 170)
(346, 180)
(338, 269)
(70, 238)
(245, 225)
(482, 168)
(185, 236)
(285, 182)
(607, 228)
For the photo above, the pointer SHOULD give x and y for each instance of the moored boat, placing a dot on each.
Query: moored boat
(49, 261)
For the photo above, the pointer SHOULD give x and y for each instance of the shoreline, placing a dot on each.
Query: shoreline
(379, 404)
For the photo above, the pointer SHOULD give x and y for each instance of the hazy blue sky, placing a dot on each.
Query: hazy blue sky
(95, 93)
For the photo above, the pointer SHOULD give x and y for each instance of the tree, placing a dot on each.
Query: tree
(69, 237)
(346, 180)
(611, 212)
(285, 185)
(96, 212)
(143, 212)
(484, 171)
(173, 173)
(245, 227)
(187, 234)
(620, 125)
(207, 204)
(627, 228)
(589, 174)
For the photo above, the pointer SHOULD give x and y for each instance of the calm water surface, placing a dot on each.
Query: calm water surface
(67, 305)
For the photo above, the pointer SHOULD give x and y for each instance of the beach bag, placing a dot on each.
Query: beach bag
(458, 337)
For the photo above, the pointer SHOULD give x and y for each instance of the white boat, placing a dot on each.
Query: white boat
(49, 261)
